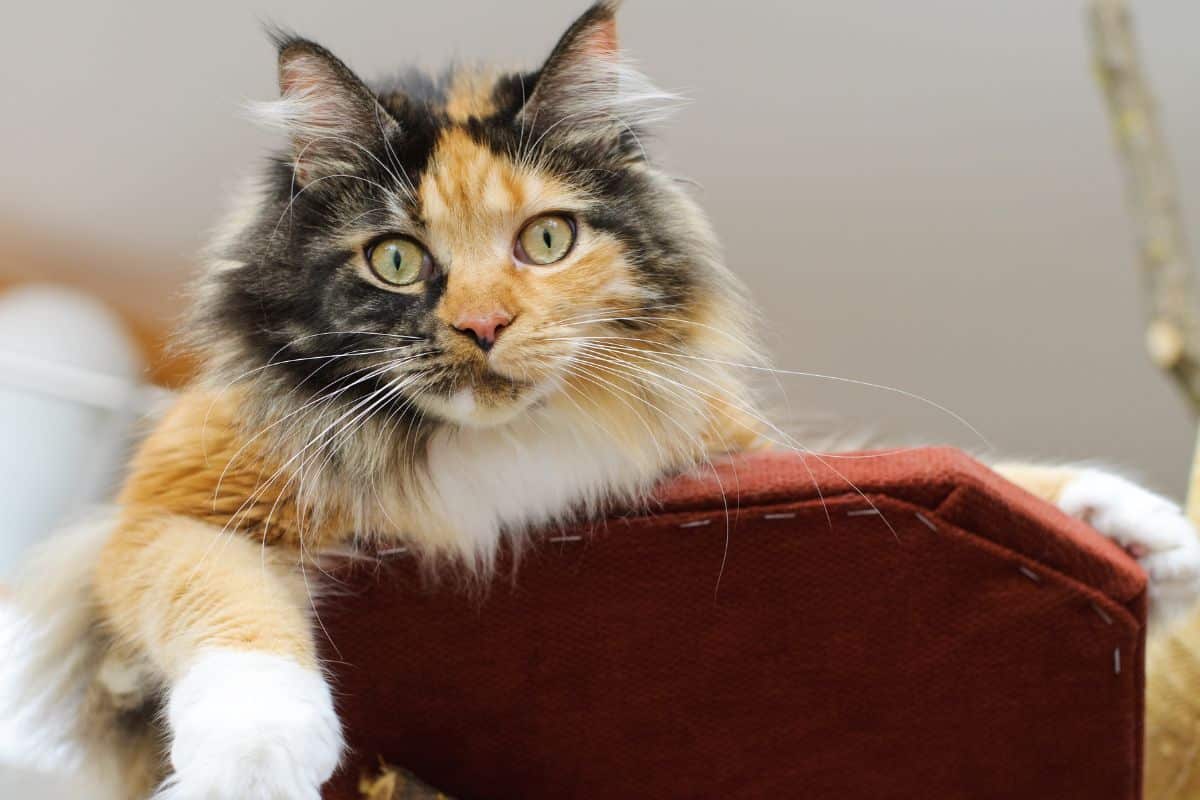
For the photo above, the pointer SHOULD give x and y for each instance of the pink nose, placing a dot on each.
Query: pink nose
(485, 328)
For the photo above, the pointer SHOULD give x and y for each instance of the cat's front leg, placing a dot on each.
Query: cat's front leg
(250, 714)
(1152, 528)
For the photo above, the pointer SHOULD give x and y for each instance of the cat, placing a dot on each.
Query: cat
(452, 311)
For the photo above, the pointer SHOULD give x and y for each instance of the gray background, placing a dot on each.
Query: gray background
(919, 193)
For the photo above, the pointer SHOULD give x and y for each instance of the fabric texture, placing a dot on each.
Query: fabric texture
(888, 625)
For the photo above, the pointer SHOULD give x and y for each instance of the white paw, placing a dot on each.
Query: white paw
(1150, 527)
(250, 726)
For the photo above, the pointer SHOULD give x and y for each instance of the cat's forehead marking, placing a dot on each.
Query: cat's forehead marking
(471, 94)
(466, 180)
(474, 201)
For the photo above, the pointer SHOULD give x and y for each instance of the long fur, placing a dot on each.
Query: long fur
(334, 411)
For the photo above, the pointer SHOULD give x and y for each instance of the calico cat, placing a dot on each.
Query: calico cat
(454, 310)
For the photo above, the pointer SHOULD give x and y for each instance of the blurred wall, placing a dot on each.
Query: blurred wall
(921, 194)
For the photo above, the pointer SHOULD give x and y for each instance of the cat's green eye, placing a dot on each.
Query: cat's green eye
(399, 261)
(545, 239)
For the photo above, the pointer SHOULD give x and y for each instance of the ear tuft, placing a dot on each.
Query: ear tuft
(329, 113)
(588, 83)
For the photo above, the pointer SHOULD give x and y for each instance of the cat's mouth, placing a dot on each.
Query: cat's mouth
(479, 395)
(483, 387)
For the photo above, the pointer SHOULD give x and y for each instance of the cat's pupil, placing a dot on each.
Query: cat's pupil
(397, 258)
(546, 237)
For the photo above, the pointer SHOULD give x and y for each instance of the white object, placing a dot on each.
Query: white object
(69, 392)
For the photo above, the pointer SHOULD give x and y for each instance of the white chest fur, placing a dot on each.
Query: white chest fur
(483, 482)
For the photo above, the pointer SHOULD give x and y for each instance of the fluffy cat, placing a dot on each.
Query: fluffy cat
(453, 311)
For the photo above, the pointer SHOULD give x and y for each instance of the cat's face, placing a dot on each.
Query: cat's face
(526, 266)
(464, 248)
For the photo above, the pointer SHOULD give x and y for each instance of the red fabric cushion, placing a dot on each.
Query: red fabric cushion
(889, 625)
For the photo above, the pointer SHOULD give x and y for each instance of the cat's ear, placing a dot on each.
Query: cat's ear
(588, 84)
(331, 116)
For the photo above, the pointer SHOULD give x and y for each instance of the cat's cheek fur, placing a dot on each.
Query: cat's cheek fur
(250, 726)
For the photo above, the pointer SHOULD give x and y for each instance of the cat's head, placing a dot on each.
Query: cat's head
(464, 248)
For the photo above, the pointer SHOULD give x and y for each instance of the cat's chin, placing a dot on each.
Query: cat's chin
(470, 409)
(464, 408)
(488, 400)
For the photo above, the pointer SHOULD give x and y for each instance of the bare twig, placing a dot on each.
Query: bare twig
(1168, 273)
(1173, 330)
(1173, 341)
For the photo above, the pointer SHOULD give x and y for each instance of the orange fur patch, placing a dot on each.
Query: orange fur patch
(171, 586)
(1044, 482)
(207, 547)
(198, 463)
(471, 94)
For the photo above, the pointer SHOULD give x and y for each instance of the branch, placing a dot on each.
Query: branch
(1172, 333)
(1173, 657)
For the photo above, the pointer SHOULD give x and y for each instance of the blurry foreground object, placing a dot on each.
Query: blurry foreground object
(396, 784)
(69, 393)
(1172, 761)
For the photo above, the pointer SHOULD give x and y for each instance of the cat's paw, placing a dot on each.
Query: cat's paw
(250, 726)
(1152, 528)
